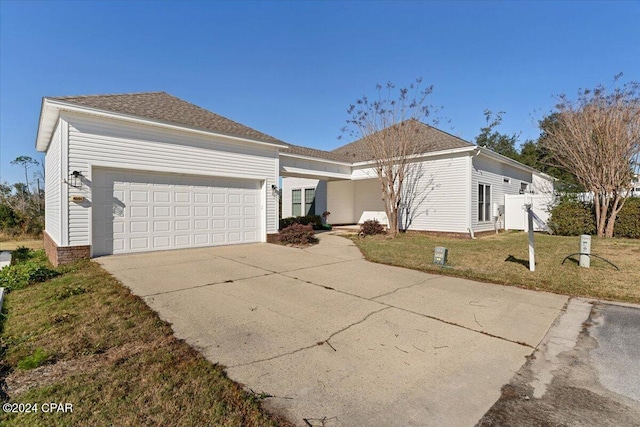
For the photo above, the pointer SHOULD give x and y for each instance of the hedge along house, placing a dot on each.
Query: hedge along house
(148, 171)
(455, 186)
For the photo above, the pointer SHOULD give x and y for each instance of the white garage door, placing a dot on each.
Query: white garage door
(137, 212)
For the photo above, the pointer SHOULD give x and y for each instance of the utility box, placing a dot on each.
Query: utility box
(440, 255)
(585, 251)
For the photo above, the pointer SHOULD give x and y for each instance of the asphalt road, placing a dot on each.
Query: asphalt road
(585, 373)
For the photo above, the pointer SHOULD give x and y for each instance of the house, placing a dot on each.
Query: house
(455, 186)
(149, 171)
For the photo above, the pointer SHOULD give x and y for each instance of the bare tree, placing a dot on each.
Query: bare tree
(597, 138)
(387, 125)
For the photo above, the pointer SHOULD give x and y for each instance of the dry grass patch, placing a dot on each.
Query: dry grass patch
(110, 356)
(503, 259)
(11, 243)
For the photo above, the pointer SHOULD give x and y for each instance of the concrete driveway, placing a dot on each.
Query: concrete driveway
(337, 340)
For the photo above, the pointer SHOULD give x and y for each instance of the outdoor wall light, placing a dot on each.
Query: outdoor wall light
(76, 179)
(274, 187)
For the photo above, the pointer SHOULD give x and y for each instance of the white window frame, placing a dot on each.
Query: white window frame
(313, 201)
(484, 205)
(293, 203)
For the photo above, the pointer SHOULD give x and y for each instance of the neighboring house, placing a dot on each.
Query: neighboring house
(456, 186)
(148, 171)
(141, 172)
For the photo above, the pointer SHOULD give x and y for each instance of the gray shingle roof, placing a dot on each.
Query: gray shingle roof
(169, 109)
(313, 152)
(429, 139)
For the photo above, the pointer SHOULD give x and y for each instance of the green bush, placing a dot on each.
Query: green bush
(38, 358)
(32, 268)
(572, 218)
(371, 227)
(297, 234)
(21, 254)
(628, 220)
(314, 220)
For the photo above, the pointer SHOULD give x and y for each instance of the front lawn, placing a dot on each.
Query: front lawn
(504, 259)
(11, 243)
(82, 338)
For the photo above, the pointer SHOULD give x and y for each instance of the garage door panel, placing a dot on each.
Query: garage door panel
(138, 196)
(139, 211)
(161, 242)
(160, 226)
(135, 211)
(201, 211)
(139, 243)
(201, 197)
(182, 211)
(182, 225)
(201, 239)
(139, 227)
(183, 240)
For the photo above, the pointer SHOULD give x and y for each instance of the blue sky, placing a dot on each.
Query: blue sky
(291, 69)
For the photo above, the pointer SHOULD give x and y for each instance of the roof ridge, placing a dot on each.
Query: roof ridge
(164, 107)
(107, 94)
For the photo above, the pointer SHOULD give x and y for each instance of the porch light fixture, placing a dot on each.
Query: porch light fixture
(75, 179)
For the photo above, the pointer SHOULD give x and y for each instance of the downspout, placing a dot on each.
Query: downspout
(469, 183)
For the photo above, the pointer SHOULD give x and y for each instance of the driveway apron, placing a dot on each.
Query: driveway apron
(335, 340)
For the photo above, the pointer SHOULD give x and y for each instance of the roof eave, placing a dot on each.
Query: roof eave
(317, 159)
(46, 124)
(427, 154)
(65, 106)
(506, 159)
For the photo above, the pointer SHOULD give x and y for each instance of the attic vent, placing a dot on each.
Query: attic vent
(506, 180)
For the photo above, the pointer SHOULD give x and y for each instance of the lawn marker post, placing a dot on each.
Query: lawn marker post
(532, 247)
(585, 251)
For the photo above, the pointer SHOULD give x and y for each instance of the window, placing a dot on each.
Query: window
(296, 202)
(484, 202)
(310, 201)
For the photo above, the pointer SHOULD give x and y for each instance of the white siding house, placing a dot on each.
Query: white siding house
(454, 187)
(310, 197)
(149, 171)
(119, 183)
(53, 187)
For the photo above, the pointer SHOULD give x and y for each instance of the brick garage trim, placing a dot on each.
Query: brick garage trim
(272, 237)
(64, 254)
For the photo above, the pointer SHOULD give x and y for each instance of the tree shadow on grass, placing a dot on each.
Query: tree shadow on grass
(515, 260)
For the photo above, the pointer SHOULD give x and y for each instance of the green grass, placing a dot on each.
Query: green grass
(503, 259)
(88, 341)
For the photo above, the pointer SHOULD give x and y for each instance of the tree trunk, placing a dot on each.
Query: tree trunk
(611, 222)
(393, 222)
(601, 203)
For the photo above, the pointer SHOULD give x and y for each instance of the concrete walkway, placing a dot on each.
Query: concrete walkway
(337, 340)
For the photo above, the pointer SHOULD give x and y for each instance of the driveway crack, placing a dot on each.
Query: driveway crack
(404, 287)
(298, 350)
(356, 323)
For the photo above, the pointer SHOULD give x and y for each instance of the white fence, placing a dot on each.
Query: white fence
(515, 212)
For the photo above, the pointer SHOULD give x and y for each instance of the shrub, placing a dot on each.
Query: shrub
(21, 254)
(32, 268)
(297, 234)
(314, 220)
(371, 227)
(572, 218)
(628, 220)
